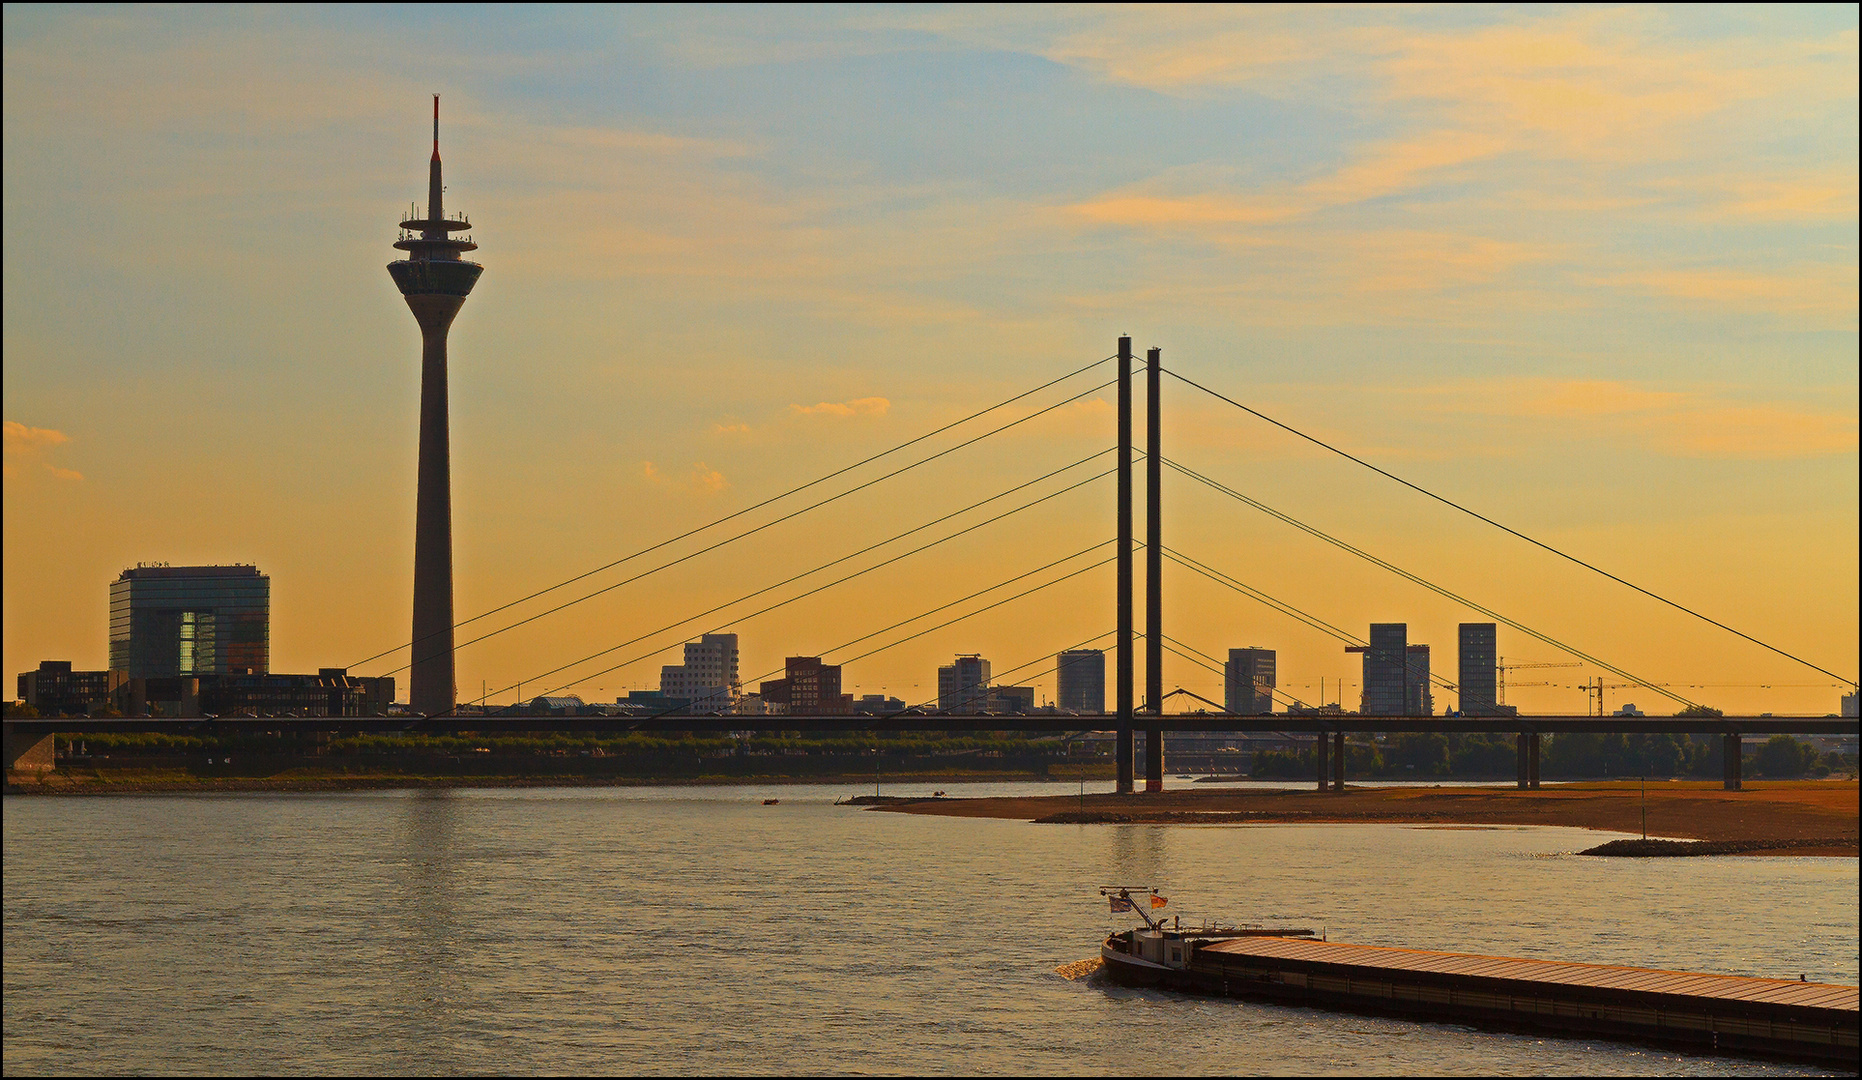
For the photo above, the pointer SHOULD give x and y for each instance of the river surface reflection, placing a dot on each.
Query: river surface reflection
(695, 930)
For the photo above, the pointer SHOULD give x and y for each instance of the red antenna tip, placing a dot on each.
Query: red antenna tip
(436, 127)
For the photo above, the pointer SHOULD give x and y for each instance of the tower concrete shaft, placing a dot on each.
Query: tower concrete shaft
(431, 679)
(435, 282)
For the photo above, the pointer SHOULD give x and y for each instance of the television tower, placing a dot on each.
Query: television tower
(435, 282)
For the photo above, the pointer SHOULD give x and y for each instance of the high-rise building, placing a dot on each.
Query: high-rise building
(1248, 681)
(1385, 670)
(1082, 677)
(708, 678)
(168, 621)
(1418, 698)
(435, 283)
(963, 685)
(1477, 669)
(808, 688)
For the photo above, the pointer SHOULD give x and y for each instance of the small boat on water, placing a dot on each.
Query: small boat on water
(1158, 953)
(771, 802)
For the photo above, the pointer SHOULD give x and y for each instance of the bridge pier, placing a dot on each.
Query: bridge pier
(1528, 745)
(1153, 574)
(1521, 768)
(1125, 750)
(1321, 741)
(27, 751)
(1338, 761)
(1730, 752)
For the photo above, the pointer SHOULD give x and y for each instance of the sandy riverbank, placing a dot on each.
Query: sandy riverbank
(1693, 810)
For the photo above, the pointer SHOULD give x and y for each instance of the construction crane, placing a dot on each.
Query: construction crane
(1503, 667)
(1594, 688)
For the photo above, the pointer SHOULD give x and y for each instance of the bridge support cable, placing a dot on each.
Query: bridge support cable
(911, 710)
(1284, 608)
(792, 491)
(856, 554)
(769, 524)
(1431, 586)
(825, 653)
(800, 596)
(1849, 682)
(889, 645)
(981, 610)
(1222, 670)
(1000, 675)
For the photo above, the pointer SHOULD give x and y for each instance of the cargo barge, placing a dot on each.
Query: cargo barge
(1771, 1018)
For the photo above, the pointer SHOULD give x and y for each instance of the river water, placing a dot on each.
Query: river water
(694, 930)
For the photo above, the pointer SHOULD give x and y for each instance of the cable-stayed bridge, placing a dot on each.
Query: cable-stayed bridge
(1136, 709)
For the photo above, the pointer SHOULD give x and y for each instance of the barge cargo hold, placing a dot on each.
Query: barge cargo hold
(1773, 1018)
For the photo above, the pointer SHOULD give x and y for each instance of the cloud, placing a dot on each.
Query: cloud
(702, 479)
(735, 427)
(1822, 291)
(866, 406)
(1381, 169)
(26, 450)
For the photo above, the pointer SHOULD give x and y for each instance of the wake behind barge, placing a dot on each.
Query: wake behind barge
(1771, 1018)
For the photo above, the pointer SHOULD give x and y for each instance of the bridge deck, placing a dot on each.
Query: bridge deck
(1046, 722)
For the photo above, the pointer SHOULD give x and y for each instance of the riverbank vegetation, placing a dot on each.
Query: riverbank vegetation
(1573, 755)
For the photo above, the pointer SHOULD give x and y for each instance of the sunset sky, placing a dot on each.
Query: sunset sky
(1591, 271)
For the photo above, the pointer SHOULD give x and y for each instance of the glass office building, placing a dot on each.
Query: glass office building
(1479, 668)
(1082, 680)
(168, 621)
(1248, 681)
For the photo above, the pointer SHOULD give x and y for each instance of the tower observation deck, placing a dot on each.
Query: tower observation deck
(435, 282)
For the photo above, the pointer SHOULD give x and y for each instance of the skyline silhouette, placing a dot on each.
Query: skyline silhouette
(1590, 272)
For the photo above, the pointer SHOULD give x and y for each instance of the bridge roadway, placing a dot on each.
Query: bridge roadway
(28, 741)
(1348, 723)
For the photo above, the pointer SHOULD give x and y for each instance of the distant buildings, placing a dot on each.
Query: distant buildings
(1849, 705)
(808, 687)
(1249, 681)
(963, 685)
(1385, 678)
(708, 678)
(1082, 677)
(56, 690)
(176, 621)
(196, 641)
(1010, 700)
(651, 703)
(1477, 669)
(878, 705)
(1478, 663)
(330, 692)
(1396, 674)
(1418, 696)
